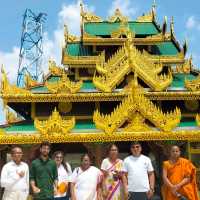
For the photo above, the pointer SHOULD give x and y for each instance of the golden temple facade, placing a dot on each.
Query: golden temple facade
(121, 80)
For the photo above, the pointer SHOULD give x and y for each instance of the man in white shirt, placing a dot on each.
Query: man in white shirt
(15, 177)
(140, 174)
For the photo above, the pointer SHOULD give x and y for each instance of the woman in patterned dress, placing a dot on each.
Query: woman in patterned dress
(112, 169)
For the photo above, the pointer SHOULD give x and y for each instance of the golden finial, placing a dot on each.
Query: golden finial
(2, 69)
(81, 7)
(164, 27)
(154, 5)
(65, 33)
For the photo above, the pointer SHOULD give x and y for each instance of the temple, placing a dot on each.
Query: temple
(121, 80)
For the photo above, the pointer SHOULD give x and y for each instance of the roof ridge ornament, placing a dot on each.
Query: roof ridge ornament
(88, 16)
(54, 69)
(149, 16)
(68, 37)
(122, 30)
(164, 26)
(10, 89)
(172, 27)
(117, 17)
(64, 85)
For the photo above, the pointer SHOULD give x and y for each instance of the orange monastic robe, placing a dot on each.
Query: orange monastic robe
(176, 173)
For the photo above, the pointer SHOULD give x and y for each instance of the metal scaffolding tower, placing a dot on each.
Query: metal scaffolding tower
(31, 50)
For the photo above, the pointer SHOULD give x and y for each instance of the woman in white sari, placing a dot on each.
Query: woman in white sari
(86, 181)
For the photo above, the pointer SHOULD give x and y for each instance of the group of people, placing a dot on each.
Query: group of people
(131, 179)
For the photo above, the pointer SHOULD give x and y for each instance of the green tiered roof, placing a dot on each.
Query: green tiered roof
(77, 49)
(106, 28)
(166, 48)
(179, 80)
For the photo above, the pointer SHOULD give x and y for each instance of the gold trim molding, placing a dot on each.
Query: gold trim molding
(27, 138)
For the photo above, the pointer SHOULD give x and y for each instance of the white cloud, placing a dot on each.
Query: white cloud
(52, 47)
(193, 23)
(10, 61)
(124, 6)
(69, 15)
(190, 23)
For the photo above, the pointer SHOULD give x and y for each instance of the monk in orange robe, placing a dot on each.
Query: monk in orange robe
(179, 177)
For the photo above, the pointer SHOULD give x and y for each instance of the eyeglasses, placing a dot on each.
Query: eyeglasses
(59, 157)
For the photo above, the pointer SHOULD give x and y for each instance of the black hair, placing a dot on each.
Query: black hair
(63, 162)
(14, 147)
(135, 143)
(45, 143)
(110, 147)
(86, 154)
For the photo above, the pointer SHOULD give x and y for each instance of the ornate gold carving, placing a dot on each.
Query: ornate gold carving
(88, 16)
(185, 67)
(64, 85)
(66, 97)
(65, 107)
(8, 89)
(98, 96)
(137, 124)
(70, 38)
(54, 69)
(122, 30)
(193, 85)
(11, 117)
(118, 17)
(133, 104)
(28, 138)
(128, 59)
(54, 125)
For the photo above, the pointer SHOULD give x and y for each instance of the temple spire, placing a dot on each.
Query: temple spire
(172, 26)
(154, 6)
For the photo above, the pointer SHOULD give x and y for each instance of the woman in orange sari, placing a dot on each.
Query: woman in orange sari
(179, 177)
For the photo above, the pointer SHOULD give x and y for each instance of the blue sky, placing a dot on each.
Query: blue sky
(186, 16)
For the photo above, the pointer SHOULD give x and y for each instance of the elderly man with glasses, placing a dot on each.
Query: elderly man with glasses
(15, 177)
(139, 179)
